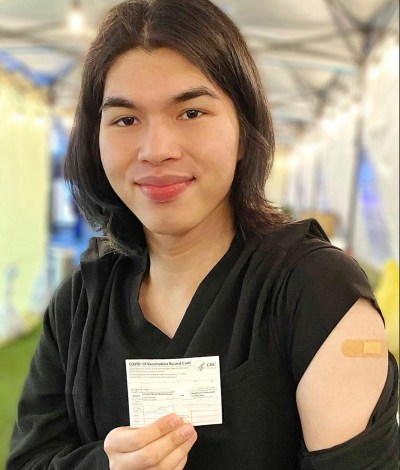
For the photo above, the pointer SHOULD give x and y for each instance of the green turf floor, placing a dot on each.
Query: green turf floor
(14, 363)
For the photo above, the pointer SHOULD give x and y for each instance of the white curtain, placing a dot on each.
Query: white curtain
(377, 220)
(329, 159)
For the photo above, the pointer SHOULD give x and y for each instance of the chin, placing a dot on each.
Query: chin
(169, 228)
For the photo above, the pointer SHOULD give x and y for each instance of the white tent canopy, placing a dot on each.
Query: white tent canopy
(301, 48)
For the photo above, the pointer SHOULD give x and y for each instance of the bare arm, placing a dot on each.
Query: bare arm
(338, 393)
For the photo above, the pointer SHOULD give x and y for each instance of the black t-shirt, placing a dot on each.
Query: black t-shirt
(265, 321)
(265, 309)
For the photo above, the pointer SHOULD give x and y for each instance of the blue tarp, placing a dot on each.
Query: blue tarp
(11, 64)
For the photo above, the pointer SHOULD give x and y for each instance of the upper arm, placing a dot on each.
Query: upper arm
(337, 394)
(42, 415)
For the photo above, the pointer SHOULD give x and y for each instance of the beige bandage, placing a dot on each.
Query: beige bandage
(364, 348)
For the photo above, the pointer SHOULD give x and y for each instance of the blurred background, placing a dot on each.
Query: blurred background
(331, 71)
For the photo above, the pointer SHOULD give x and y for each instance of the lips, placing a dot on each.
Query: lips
(163, 188)
(162, 180)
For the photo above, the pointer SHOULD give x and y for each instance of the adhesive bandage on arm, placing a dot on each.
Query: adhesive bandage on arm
(364, 348)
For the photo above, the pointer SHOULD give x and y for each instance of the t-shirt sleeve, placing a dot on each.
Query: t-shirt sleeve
(43, 435)
(319, 289)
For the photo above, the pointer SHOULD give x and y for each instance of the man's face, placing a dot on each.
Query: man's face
(169, 141)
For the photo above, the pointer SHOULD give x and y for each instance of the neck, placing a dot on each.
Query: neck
(185, 259)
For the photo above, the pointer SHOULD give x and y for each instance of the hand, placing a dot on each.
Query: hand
(162, 445)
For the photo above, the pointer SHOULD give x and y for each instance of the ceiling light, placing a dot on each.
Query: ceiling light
(19, 117)
(40, 121)
(76, 19)
(373, 71)
(392, 57)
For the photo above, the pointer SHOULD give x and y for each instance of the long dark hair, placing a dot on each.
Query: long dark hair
(205, 36)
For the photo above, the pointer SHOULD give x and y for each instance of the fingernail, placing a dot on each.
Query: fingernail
(187, 430)
(175, 422)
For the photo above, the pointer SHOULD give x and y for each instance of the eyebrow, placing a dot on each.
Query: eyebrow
(193, 93)
(121, 102)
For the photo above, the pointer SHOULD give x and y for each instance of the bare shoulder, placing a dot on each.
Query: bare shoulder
(342, 384)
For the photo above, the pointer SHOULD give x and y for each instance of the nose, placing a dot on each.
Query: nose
(159, 142)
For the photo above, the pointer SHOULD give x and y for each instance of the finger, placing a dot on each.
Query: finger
(177, 458)
(181, 464)
(127, 439)
(167, 451)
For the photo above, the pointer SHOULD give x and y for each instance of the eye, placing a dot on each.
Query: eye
(126, 121)
(192, 114)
